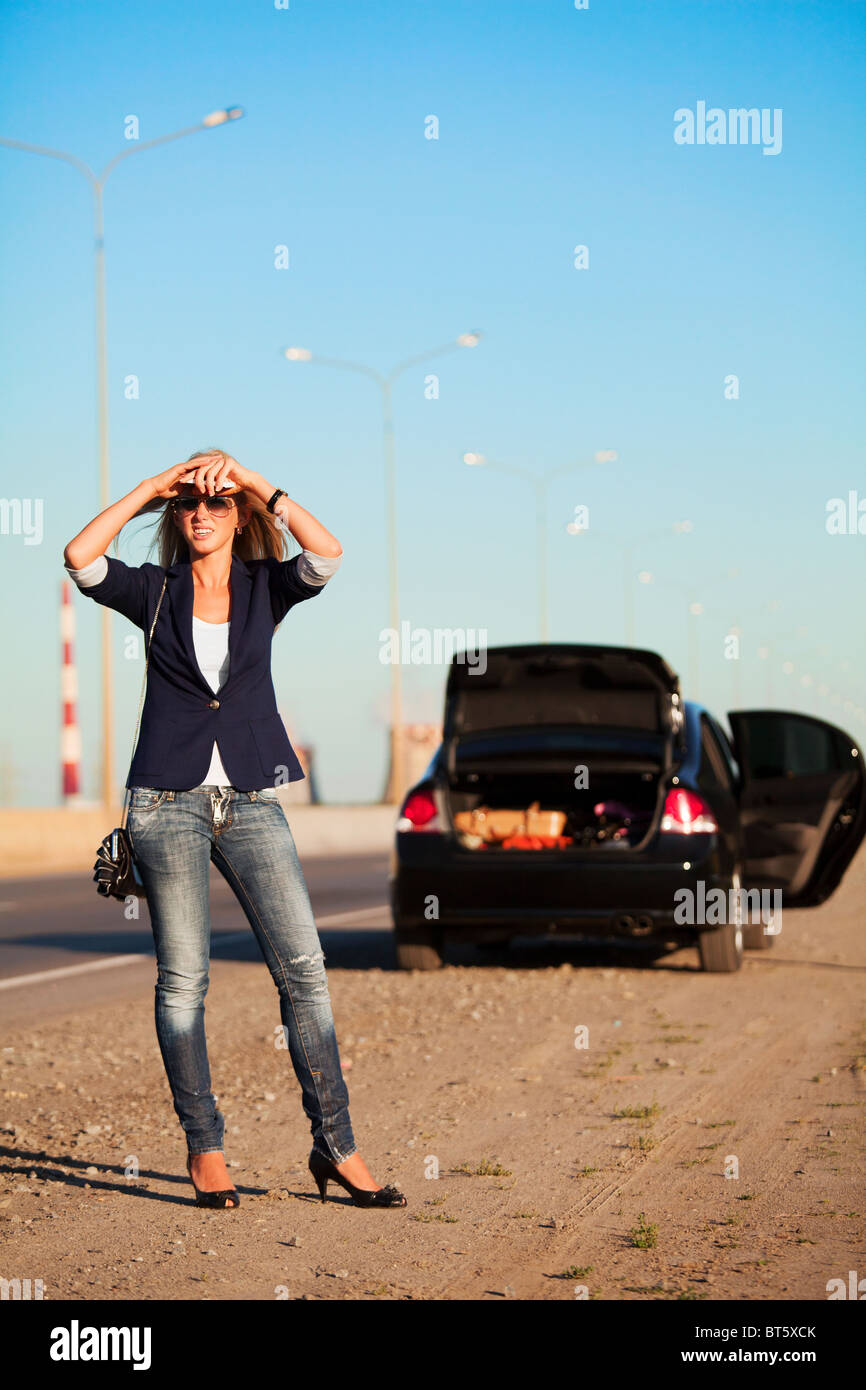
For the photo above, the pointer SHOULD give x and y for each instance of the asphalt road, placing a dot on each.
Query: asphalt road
(60, 924)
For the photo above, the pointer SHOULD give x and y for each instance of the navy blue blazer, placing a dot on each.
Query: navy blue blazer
(182, 716)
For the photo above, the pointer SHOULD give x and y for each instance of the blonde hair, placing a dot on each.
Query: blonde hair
(261, 536)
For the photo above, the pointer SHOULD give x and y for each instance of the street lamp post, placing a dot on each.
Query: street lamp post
(385, 382)
(97, 186)
(540, 487)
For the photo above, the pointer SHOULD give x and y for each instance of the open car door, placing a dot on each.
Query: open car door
(802, 803)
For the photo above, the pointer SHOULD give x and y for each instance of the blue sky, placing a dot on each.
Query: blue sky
(555, 130)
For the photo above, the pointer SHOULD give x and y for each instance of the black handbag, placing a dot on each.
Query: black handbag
(114, 872)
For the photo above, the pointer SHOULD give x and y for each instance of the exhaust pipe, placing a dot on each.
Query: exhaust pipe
(634, 926)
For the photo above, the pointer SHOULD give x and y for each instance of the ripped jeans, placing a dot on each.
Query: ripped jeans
(174, 836)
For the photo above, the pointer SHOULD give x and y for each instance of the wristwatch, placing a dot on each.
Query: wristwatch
(273, 501)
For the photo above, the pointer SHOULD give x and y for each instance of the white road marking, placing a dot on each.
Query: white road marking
(65, 970)
(231, 939)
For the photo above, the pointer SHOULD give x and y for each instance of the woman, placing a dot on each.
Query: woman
(211, 753)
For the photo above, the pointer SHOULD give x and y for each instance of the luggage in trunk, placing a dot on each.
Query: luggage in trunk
(616, 811)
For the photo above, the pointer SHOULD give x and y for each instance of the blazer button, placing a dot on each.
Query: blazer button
(213, 704)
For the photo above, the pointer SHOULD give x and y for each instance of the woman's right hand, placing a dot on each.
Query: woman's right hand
(98, 534)
(168, 484)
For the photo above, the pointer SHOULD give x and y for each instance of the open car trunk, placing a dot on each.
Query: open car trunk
(559, 747)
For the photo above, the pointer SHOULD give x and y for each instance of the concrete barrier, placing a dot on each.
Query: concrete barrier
(56, 840)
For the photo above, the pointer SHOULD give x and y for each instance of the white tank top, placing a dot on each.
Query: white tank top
(211, 643)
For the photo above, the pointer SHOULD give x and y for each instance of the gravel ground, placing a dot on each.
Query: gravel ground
(533, 1168)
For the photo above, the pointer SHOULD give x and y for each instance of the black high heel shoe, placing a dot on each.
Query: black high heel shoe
(325, 1171)
(213, 1199)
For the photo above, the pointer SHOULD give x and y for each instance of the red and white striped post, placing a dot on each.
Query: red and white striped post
(70, 734)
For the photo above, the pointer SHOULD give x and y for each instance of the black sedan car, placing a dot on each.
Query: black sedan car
(575, 792)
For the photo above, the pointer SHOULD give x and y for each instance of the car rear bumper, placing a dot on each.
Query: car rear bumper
(614, 892)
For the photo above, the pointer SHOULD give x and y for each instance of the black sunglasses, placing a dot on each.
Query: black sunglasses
(217, 506)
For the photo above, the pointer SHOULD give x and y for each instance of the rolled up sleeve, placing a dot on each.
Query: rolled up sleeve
(110, 582)
(89, 575)
(317, 569)
(302, 577)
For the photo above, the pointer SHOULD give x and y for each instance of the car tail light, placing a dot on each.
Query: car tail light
(686, 813)
(419, 813)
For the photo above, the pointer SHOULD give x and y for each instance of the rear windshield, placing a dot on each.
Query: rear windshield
(558, 698)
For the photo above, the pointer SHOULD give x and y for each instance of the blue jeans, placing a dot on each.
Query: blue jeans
(174, 836)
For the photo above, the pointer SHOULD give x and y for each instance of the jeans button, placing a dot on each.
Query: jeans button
(213, 704)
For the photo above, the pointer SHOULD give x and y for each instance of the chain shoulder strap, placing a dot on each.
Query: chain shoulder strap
(141, 697)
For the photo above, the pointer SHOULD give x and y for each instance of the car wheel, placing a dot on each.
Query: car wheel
(721, 950)
(418, 950)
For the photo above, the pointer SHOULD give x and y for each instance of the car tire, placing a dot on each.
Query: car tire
(418, 951)
(721, 950)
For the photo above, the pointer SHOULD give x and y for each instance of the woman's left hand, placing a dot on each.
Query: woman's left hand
(217, 473)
